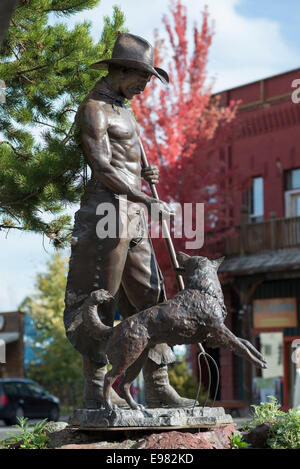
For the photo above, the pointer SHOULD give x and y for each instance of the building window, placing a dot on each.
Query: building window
(292, 193)
(256, 200)
(293, 179)
(271, 348)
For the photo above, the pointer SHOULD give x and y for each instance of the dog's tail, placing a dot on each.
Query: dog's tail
(90, 317)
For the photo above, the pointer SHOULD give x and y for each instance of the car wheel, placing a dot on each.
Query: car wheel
(54, 413)
(18, 414)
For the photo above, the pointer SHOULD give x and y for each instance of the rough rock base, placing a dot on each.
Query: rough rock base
(162, 417)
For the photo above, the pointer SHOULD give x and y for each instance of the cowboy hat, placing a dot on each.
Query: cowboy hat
(133, 52)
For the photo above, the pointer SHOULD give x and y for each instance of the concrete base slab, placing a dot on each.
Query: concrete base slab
(161, 417)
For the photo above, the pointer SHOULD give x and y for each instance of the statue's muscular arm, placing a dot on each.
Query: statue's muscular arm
(96, 145)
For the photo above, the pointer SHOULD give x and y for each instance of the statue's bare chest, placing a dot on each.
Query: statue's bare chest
(121, 125)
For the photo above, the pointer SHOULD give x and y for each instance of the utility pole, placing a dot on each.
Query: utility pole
(7, 7)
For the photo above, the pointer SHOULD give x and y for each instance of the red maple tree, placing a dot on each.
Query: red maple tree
(184, 131)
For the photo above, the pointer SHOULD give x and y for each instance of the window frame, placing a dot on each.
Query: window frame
(253, 217)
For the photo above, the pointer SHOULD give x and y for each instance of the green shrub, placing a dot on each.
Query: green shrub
(284, 426)
(264, 412)
(35, 438)
(285, 431)
(237, 441)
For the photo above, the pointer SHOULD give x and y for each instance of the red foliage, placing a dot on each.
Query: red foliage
(184, 129)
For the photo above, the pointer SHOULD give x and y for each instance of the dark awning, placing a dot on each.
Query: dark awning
(271, 261)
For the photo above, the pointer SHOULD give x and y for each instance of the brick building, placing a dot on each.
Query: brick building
(262, 266)
(11, 334)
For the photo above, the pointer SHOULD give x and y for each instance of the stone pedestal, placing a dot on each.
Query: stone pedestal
(161, 417)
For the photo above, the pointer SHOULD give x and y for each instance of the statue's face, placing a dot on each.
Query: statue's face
(133, 82)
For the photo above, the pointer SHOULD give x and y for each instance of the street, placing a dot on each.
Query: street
(4, 429)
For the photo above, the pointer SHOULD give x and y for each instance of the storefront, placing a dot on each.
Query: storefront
(276, 333)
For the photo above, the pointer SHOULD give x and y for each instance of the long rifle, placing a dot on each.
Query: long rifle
(165, 228)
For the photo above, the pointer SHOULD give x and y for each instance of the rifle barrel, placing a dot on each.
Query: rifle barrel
(165, 228)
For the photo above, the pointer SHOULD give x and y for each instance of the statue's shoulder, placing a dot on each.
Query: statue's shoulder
(92, 111)
(91, 105)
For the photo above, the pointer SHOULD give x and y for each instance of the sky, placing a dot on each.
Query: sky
(253, 39)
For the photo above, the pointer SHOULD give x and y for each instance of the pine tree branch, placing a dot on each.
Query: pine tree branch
(50, 125)
(32, 194)
(67, 10)
(69, 134)
(68, 110)
(15, 202)
(53, 235)
(19, 25)
(12, 215)
(16, 152)
(9, 227)
(16, 56)
(26, 78)
(39, 67)
(24, 194)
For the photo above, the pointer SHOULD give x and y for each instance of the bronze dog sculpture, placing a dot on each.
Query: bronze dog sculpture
(193, 315)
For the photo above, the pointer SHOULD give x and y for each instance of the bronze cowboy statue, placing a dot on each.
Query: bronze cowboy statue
(124, 266)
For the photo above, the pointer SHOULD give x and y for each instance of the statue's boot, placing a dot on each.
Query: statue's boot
(158, 391)
(93, 374)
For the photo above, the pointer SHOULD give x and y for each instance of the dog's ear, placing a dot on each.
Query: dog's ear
(182, 257)
(217, 262)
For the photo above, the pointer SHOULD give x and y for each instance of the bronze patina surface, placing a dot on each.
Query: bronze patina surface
(195, 314)
(113, 271)
(123, 266)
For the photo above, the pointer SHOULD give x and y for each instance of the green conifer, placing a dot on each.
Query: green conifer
(46, 71)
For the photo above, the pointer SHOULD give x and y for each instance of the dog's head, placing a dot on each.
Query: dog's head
(201, 273)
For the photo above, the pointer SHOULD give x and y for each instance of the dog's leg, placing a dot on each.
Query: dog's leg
(223, 337)
(109, 380)
(131, 374)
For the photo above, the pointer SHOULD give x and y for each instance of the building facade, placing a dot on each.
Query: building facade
(11, 345)
(261, 273)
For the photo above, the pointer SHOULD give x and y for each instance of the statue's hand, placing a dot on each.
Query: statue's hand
(151, 174)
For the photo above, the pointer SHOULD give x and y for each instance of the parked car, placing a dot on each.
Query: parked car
(24, 398)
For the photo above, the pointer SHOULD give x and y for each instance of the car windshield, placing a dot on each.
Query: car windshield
(34, 389)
